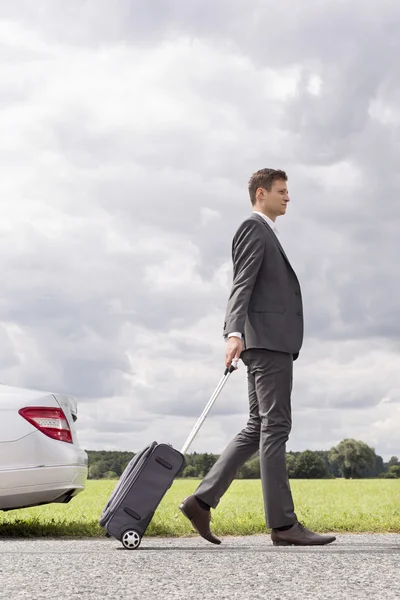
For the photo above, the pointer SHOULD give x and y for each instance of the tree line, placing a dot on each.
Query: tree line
(350, 459)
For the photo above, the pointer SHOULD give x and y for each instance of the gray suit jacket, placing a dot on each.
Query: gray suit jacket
(265, 302)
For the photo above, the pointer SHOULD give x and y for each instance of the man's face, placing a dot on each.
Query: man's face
(275, 201)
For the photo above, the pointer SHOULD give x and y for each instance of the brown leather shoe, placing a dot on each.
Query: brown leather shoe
(298, 535)
(199, 518)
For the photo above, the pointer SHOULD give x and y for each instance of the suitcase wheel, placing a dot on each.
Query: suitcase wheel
(131, 539)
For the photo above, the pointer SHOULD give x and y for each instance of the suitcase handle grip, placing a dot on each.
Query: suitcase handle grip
(207, 409)
(232, 368)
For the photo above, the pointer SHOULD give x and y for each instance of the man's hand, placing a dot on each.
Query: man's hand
(234, 348)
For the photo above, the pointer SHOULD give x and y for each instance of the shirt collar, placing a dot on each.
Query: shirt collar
(268, 220)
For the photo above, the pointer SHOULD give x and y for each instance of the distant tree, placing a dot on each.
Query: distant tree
(115, 466)
(392, 473)
(334, 467)
(102, 467)
(378, 467)
(324, 455)
(101, 461)
(355, 458)
(189, 471)
(251, 469)
(291, 464)
(94, 472)
(393, 462)
(395, 470)
(110, 475)
(309, 465)
(207, 462)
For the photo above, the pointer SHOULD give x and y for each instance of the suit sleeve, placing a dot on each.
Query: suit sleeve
(248, 249)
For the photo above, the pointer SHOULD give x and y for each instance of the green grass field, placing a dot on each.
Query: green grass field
(323, 505)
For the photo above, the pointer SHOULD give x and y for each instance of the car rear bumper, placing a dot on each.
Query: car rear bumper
(20, 488)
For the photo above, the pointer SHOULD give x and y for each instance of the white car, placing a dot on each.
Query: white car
(40, 458)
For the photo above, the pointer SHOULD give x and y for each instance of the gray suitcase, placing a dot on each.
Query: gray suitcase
(145, 481)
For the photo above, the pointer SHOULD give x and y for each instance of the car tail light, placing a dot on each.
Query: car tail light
(50, 421)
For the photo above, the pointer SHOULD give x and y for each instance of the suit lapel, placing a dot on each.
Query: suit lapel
(272, 234)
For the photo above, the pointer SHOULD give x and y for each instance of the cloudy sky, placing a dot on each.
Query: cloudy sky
(129, 131)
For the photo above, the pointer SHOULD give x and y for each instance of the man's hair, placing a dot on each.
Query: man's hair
(264, 178)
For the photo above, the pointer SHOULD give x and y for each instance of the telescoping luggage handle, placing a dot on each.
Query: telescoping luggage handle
(207, 409)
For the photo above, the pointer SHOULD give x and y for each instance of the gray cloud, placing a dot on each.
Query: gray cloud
(130, 135)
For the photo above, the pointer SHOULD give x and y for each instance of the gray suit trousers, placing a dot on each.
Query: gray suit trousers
(270, 376)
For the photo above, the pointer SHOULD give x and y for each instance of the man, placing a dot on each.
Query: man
(263, 327)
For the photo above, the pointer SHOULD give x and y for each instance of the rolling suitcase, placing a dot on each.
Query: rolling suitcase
(145, 481)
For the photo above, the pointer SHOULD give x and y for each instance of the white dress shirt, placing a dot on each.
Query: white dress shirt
(274, 229)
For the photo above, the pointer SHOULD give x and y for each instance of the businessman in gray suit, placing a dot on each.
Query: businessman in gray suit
(264, 327)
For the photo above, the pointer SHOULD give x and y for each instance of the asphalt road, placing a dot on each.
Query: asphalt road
(354, 567)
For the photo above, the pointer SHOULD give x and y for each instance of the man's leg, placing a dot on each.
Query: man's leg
(221, 475)
(272, 372)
